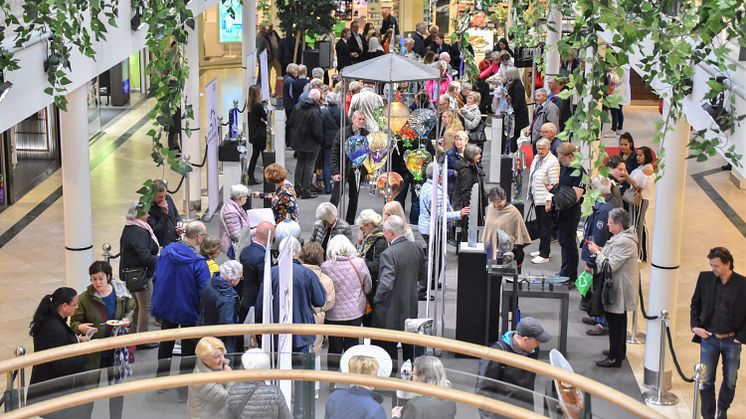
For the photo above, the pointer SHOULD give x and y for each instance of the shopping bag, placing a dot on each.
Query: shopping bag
(584, 282)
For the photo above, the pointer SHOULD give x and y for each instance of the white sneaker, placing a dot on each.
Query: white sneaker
(535, 254)
(609, 135)
(539, 259)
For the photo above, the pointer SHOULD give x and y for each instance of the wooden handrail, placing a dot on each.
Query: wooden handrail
(585, 384)
(152, 384)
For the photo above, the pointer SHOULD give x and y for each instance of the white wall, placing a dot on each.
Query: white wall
(27, 95)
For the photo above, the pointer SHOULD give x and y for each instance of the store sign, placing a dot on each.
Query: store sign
(230, 27)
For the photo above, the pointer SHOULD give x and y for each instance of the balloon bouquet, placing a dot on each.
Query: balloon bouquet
(422, 121)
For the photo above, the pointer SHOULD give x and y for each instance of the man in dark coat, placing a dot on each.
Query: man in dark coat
(252, 258)
(163, 216)
(288, 101)
(556, 85)
(307, 130)
(419, 39)
(268, 40)
(402, 267)
(357, 128)
(389, 21)
(356, 45)
(342, 49)
(525, 340)
(718, 319)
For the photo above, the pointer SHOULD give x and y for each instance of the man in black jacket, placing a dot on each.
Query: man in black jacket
(389, 22)
(356, 45)
(307, 130)
(718, 320)
(357, 128)
(163, 216)
(419, 39)
(252, 258)
(493, 376)
(342, 49)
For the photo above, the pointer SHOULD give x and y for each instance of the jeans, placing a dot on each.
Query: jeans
(141, 316)
(326, 168)
(304, 171)
(617, 335)
(567, 237)
(617, 119)
(710, 350)
(545, 230)
(407, 184)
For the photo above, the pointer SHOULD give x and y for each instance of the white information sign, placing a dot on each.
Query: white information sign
(264, 73)
(285, 342)
(211, 100)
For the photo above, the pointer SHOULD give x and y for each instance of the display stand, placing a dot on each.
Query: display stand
(496, 141)
(471, 306)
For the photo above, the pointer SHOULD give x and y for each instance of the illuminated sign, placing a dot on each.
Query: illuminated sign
(230, 27)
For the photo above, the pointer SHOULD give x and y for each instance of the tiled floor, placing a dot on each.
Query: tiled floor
(32, 263)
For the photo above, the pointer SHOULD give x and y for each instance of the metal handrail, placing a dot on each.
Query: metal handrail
(585, 384)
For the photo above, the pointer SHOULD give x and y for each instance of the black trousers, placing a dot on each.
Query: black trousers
(304, 170)
(256, 152)
(617, 335)
(567, 237)
(545, 231)
(116, 404)
(186, 363)
(353, 193)
(338, 345)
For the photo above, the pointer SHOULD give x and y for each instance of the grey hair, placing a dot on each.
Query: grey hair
(356, 113)
(620, 216)
(314, 94)
(498, 194)
(340, 245)
(368, 216)
(332, 98)
(160, 186)
(326, 211)
(395, 224)
(512, 73)
(441, 65)
(194, 228)
(543, 141)
(470, 152)
(430, 370)
(462, 135)
(429, 170)
(132, 210)
(238, 190)
(317, 73)
(255, 359)
(408, 40)
(231, 270)
(291, 241)
(355, 85)
(466, 86)
(541, 90)
(302, 69)
(601, 184)
(443, 55)
(420, 25)
(291, 68)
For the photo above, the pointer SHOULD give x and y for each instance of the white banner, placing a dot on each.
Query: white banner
(264, 73)
(213, 188)
(285, 342)
(433, 239)
(267, 309)
(440, 322)
(250, 70)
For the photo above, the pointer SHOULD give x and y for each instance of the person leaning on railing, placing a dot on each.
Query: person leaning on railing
(50, 330)
(429, 370)
(207, 401)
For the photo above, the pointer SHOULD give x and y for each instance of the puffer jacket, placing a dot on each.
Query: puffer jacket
(349, 301)
(620, 252)
(340, 227)
(235, 219)
(542, 173)
(219, 304)
(256, 400)
(472, 116)
(206, 401)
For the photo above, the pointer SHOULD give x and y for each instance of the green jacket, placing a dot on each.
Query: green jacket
(91, 309)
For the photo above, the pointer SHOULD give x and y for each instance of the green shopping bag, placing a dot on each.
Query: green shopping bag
(584, 283)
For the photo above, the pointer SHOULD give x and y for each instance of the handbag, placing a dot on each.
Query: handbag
(608, 285)
(136, 279)
(632, 196)
(534, 230)
(477, 135)
(368, 307)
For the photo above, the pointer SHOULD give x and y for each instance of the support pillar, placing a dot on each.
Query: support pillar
(666, 248)
(76, 187)
(192, 144)
(248, 44)
(551, 52)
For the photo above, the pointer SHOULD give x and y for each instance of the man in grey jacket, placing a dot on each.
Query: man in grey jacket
(544, 111)
(402, 267)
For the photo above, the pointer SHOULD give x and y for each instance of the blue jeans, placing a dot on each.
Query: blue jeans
(410, 185)
(710, 350)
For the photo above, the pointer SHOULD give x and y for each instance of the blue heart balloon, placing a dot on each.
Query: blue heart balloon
(422, 121)
(356, 148)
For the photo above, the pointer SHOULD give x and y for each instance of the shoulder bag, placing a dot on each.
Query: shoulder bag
(368, 307)
(136, 279)
(632, 196)
(608, 284)
(532, 225)
(477, 135)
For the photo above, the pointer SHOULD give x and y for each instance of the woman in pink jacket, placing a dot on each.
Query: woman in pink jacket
(233, 220)
(445, 80)
(352, 282)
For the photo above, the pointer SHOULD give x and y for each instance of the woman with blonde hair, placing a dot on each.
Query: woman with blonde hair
(210, 249)
(356, 401)
(351, 284)
(429, 370)
(207, 401)
(395, 208)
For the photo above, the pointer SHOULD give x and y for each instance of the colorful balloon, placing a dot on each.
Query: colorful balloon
(372, 166)
(422, 121)
(355, 148)
(377, 145)
(417, 161)
(395, 184)
(399, 115)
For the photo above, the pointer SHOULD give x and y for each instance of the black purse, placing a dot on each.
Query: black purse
(608, 284)
(534, 230)
(136, 279)
(477, 135)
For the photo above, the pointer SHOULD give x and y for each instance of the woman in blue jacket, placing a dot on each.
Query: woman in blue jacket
(219, 302)
(357, 402)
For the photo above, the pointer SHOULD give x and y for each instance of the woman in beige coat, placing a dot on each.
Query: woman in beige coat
(312, 255)
(207, 401)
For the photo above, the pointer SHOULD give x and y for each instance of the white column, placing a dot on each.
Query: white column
(551, 52)
(76, 189)
(192, 144)
(278, 134)
(666, 248)
(248, 44)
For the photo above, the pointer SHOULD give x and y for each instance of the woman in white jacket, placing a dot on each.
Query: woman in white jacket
(545, 170)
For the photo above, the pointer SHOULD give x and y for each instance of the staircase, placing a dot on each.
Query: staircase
(641, 94)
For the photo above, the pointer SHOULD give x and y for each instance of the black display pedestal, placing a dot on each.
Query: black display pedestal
(472, 315)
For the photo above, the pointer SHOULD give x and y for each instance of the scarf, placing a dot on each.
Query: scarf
(509, 220)
(370, 240)
(142, 224)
